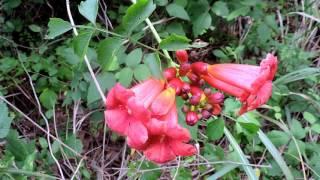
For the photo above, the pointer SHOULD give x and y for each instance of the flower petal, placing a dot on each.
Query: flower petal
(137, 110)
(163, 102)
(159, 152)
(137, 134)
(148, 90)
(117, 120)
(178, 133)
(182, 149)
(156, 127)
(122, 94)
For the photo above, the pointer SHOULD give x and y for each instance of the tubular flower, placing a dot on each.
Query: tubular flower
(166, 146)
(251, 84)
(127, 110)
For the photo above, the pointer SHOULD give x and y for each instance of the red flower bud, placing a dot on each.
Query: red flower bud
(207, 91)
(199, 68)
(206, 114)
(191, 118)
(196, 91)
(170, 73)
(193, 77)
(186, 87)
(176, 84)
(184, 69)
(182, 56)
(194, 100)
(184, 96)
(216, 109)
(216, 98)
(185, 109)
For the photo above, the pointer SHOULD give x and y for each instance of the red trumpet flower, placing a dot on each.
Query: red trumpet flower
(251, 84)
(127, 110)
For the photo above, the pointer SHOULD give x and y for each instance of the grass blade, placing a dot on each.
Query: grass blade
(223, 171)
(297, 75)
(248, 169)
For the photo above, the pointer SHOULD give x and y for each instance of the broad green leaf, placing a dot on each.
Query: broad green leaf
(182, 174)
(75, 144)
(107, 50)
(161, 2)
(136, 14)
(89, 9)
(34, 28)
(264, 32)
(238, 12)
(297, 130)
(57, 27)
(141, 72)
(153, 175)
(215, 129)
(249, 122)
(309, 117)
(231, 106)
(201, 24)
(249, 2)
(316, 128)
(134, 58)
(182, 3)
(220, 54)
(178, 11)
(174, 42)
(278, 138)
(5, 120)
(48, 98)
(220, 8)
(106, 81)
(81, 43)
(153, 62)
(175, 28)
(125, 76)
(17, 146)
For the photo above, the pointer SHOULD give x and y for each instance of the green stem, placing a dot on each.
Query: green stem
(27, 173)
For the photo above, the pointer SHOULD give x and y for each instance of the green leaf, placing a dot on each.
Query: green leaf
(297, 130)
(136, 14)
(89, 9)
(249, 122)
(141, 72)
(278, 138)
(106, 81)
(153, 62)
(134, 58)
(125, 76)
(34, 28)
(220, 8)
(264, 32)
(309, 117)
(174, 42)
(201, 24)
(231, 106)
(215, 129)
(316, 128)
(48, 98)
(297, 75)
(220, 54)
(238, 12)
(81, 43)
(5, 120)
(75, 144)
(57, 27)
(107, 50)
(16, 146)
(178, 11)
(150, 175)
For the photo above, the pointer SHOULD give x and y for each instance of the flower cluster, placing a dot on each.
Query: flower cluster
(146, 114)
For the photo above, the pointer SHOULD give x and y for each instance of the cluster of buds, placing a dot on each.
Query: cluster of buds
(200, 101)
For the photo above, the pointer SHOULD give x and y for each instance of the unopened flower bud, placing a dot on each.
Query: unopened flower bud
(216, 98)
(216, 109)
(184, 69)
(207, 91)
(186, 87)
(208, 107)
(176, 84)
(199, 68)
(196, 91)
(184, 96)
(195, 100)
(182, 56)
(193, 77)
(169, 73)
(191, 118)
(205, 114)
(185, 109)
(201, 82)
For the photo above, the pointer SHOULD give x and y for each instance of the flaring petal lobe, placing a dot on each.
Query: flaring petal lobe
(137, 134)
(117, 120)
(163, 102)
